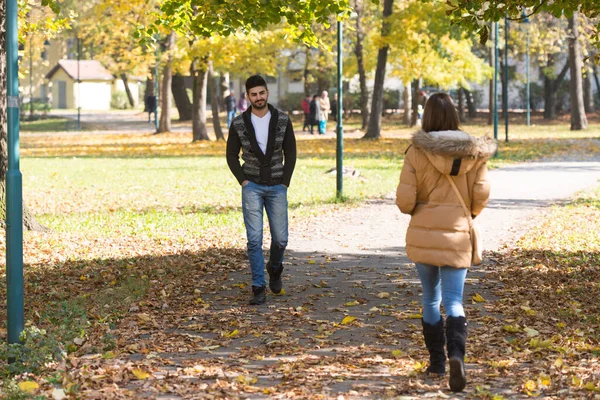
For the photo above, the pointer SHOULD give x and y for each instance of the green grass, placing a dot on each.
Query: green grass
(49, 125)
(163, 196)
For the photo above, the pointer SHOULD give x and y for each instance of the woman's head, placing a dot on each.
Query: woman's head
(440, 114)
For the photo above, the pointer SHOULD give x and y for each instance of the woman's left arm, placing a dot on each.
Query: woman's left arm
(406, 192)
(481, 190)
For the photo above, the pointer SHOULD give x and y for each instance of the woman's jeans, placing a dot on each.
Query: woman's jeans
(273, 199)
(322, 126)
(441, 284)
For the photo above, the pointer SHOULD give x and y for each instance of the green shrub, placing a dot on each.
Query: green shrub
(119, 101)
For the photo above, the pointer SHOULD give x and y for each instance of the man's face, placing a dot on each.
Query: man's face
(258, 97)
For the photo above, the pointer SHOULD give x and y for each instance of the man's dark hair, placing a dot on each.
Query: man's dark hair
(254, 81)
(440, 114)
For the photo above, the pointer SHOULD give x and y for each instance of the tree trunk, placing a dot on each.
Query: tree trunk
(29, 221)
(165, 93)
(595, 75)
(588, 93)
(550, 88)
(127, 90)
(182, 100)
(407, 104)
(502, 83)
(199, 72)
(416, 86)
(306, 74)
(362, 75)
(471, 109)
(461, 105)
(374, 127)
(214, 102)
(578, 117)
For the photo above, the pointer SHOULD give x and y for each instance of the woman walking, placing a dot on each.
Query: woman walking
(441, 163)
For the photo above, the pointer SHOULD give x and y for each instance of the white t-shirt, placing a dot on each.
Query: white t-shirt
(261, 128)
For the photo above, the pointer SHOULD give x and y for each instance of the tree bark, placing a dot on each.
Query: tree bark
(578, 117)
(471, 109)
(127, 90)
(306, 73)
(362, 75)
(214, 102)
(182, 100)
(165, 93)
(29, 221)
(374, 126)
(588, 93)
(416, 99)
(407, 104)
(199, 72)
(461, 105)
(550, 88)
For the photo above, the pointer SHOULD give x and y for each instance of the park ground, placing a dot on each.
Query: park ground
(139, 288)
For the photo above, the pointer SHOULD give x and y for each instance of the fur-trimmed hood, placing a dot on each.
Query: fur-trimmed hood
(455, 144)
(454, 152)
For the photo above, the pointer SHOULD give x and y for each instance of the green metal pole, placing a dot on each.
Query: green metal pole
(505, 86)
(527, 73)
(30, 79)
(78, 85)
(156, 90)
(340, 128)
(14, 184)
(496, 80)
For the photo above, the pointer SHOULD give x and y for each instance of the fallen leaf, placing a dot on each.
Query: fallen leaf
(140, 374)
(478, 298)
(28, 386)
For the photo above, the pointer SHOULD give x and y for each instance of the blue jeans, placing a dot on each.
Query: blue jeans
(273, 199)
(322, 127)
(441, 284)
(230, 117)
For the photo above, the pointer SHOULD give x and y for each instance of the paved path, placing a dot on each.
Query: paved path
(518, 193)
(353, 264)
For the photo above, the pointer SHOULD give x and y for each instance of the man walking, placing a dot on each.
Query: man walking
(266, 138)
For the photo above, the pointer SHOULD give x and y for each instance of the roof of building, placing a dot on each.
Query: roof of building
(89, 70)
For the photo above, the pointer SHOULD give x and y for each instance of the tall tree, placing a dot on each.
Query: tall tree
(165, 93)
(426, 49)
(359, 9)
(471, 13)
(214, 102)
(107, 29)
(45, 21)
(578, 117)
(374, 126)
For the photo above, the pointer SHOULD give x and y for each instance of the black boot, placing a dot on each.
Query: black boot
(435, 341)
(258, 295)
(456, 336)
(275, 283)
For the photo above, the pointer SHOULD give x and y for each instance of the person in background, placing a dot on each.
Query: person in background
(306, 110)
(230, 105)
(150, 105)
(324, 112)
(242, 104)
(441, 163)
(315, 111)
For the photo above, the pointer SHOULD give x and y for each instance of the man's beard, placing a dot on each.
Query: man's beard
(256, 106)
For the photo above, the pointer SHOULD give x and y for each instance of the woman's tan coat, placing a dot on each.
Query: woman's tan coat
(438, 233)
